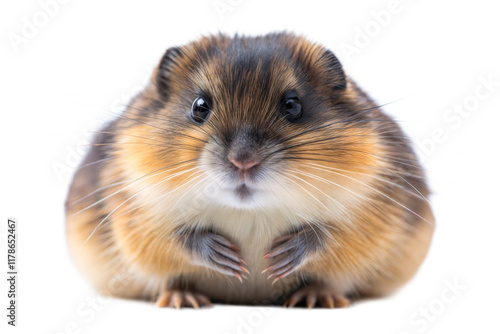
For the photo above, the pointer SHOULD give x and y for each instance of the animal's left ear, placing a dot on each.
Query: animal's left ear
(335, 76)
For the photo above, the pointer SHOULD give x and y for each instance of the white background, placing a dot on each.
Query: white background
(91, 56)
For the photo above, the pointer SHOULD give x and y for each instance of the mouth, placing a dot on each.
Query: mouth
(243, 192)
(243, 196)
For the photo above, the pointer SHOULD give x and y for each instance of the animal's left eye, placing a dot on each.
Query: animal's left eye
(292, 107)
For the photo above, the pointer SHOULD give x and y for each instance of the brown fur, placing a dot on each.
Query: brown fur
(356, 175)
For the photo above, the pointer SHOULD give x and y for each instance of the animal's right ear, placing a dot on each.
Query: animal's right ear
(164, 71)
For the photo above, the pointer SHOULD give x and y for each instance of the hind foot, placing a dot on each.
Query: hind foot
(317, 295)
(180, 298)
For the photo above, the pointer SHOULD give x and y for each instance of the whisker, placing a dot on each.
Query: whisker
(387, 158)
(146, 176)
(157, 198)
(130, 198)
(314, 197)
(173, 121)
(123, 116)
(93, 163)
(381, 193)
(188, 191)
(326, 169)
(355, 113)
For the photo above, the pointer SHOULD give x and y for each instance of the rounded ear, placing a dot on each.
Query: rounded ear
(335, 72)
(164, 71)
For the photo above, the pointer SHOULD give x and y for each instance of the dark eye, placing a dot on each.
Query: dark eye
(293, 108)
(200, 110)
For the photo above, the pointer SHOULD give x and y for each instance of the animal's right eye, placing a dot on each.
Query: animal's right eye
(200, 110)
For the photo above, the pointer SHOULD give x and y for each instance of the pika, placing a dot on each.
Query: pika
(250, 170)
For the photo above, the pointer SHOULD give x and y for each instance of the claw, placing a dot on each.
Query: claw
(341, 302)
(288, 252)
(217, 253)
(176, 300)
(238, 277)
(191, 299)
(203, 300)
(311, 300)
(164, 299)
(328, 302)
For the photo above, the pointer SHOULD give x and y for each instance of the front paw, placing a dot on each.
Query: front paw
(289, 251)
(215, 252)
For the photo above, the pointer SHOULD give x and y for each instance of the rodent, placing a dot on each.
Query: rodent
(250, 170)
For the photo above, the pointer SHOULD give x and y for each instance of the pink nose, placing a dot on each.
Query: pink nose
(244, 165)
